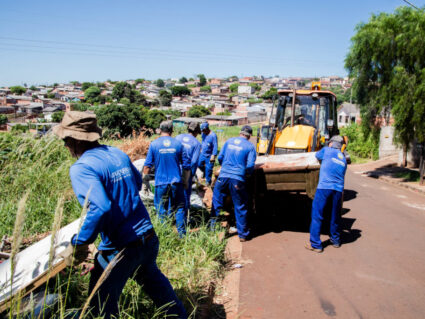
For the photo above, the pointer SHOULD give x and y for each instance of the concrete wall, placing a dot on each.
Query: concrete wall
(386, 145)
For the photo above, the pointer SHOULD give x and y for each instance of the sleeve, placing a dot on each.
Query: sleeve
(320, 154)
(195, 157)
(184, 158)
(250, 163)
(137, 175)
(221, 155)
(215, 145)
(149, 157)
(83, 180)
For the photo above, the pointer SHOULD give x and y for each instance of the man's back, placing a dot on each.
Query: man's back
(237, 158)
(166, 154)
(209, 145)
(332, 169)
(115, 207)
(192, 147)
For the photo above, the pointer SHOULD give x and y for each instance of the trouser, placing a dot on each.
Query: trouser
(239, 194)
(138, 259)
(187, 193)
(170, 199)
(321, 198)
(206, 167)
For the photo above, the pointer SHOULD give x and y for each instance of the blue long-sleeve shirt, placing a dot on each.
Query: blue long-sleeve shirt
(167, 156)
(209, 145)
(332, 169)
(115, 209)
(192, 148)
(237, 158)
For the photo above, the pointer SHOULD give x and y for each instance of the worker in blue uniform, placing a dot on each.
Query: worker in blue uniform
(209, 150)
(329, 190)
(192, 148)
(237, 159)
(172, 172)
(104, 178)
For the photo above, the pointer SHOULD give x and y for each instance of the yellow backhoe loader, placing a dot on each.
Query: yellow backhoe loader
(303, 122)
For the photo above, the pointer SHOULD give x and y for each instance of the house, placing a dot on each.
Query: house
(31, 108)
(7, 109)
(182, 121)
(348, 113)
(245, 89)
(225, 120)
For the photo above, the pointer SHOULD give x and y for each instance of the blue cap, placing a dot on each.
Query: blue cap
(204, 125)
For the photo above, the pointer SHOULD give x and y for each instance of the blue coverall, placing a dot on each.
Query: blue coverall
(330, 188)
(118, 214)
(192, 147)
(237, 159)
(168, 157)
(209, 147)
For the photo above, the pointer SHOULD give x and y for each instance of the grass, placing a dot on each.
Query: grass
(39, 168)
(408, 176)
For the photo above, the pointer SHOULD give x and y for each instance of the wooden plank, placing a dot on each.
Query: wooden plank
(286, 186)
(285, 177)
(32, 267)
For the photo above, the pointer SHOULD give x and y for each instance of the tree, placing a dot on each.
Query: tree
(153, 118)
(3, 119)
(58, 116)
(205, 88)
(172, 113)
(183, 80)
(269, 94)
(82, 107)
(86, 85)
(33, 88)
(256, 86)
(18, 90)
(139, 81)
(160, 83)
(92, 94)
(50, 95)
(202, 80)
(387, 61)
(165, 98)
(122, 119)
(180, 91)
(198, 111)
(234, 87)
(124, 90)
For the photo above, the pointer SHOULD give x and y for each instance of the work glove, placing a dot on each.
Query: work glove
(186, 177)
(212, 158)
(75, 255)
(145, 185)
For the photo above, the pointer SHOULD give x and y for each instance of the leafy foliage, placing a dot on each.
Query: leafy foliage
(198, 111)
(125, 90)
(172, 113)
(165, 98)
(359, 144)
(160, 83)
(205, 88)
(202, 80)
(153, 118)
(3, 119)
(82, 107)
(92, 93)
(183, 80)
(180, 91)
(18, 90)
(58, 116)
(387, 61)
(122, 119)
(269, 94)
(234, 87)
(86, 85)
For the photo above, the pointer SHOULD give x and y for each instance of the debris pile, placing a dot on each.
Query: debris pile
(137, 147)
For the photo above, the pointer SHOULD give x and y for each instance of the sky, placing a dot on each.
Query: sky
(42, 42)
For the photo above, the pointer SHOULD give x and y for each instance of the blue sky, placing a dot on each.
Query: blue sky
(43, 42)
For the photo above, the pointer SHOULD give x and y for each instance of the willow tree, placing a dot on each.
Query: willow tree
(387, 62)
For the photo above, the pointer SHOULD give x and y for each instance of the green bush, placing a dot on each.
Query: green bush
(360, 144)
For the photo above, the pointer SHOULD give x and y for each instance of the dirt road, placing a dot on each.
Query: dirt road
(379, 272)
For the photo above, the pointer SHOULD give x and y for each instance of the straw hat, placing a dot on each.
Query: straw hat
(78, 125)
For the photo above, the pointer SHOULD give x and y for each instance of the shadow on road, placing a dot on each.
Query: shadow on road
(292, 212)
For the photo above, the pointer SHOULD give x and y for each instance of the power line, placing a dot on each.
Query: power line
(411, 4)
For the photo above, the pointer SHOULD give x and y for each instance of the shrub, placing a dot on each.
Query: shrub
(360, 144)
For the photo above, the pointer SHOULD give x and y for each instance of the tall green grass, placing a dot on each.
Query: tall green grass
(40, 168)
